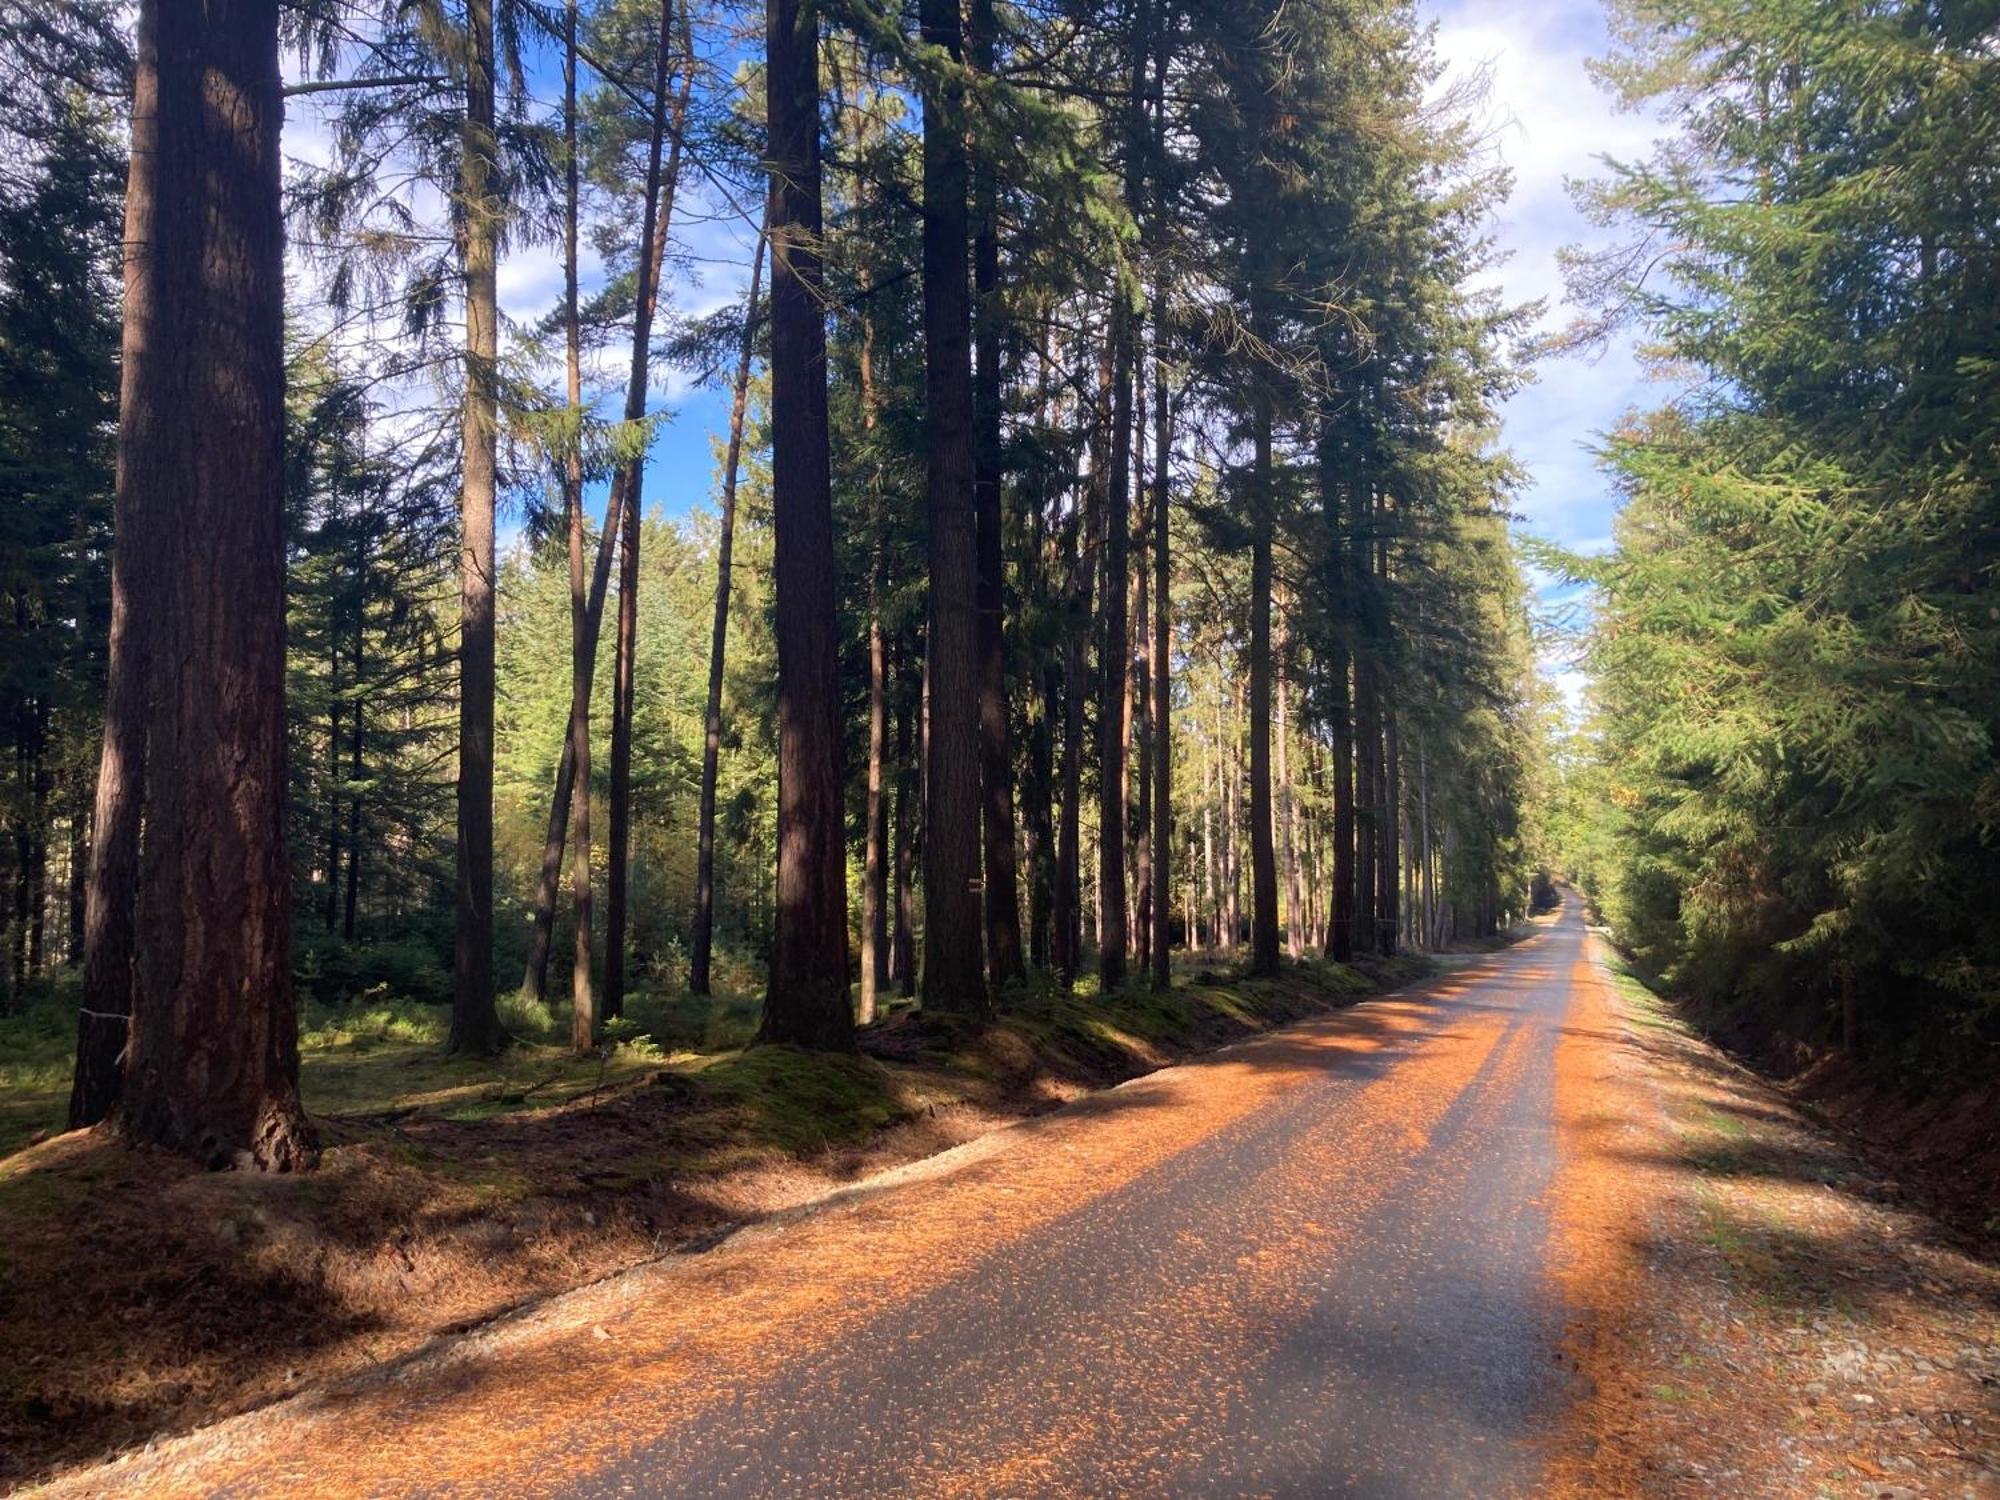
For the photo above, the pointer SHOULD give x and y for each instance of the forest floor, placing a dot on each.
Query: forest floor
(1757, 1308)
(140, 1297)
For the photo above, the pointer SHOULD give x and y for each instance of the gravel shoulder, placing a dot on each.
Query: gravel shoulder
(1756, 1310)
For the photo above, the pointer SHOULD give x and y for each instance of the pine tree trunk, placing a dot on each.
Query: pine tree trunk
(1163, 738)
(1392, 854)
(1288, 812)
(655, 222)
(351, 906)
(1002, 895)
(903, 945)
(808, 1001)
(702, 937)
(331, 906)
(1340, 927)
(212, 1070)
(583, 1007)
(475, 1023)
(954, 977)
(1263, 860)
(1140, 694)
(1083, 562)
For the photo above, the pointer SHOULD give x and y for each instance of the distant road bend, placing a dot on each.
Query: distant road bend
(1312, 1264)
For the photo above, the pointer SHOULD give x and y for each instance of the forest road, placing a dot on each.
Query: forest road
(1315, 1263)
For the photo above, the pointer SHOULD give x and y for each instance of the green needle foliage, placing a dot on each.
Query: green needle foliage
(1797, 648)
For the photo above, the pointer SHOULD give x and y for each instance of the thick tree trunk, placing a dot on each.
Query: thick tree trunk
(213, 1066)
(1002, 903)
(702, 939)
(808, 1001)
(475, 1023)
(954, 976)
(655, 221)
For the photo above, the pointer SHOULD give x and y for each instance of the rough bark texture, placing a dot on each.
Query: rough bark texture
(996, 756)
(475, 1023)
(212, 1069)
(702, 939)
(808, 1001)
(954, 977)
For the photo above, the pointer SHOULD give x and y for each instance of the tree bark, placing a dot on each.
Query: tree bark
(1002, 902)
(350, 909)
(954, 977)
(702, 939)
(903, 944)
(583, 1009)
(1084, 527)
(1263, 860)
(212, 1070)
(1139, 694)
(807, 1002)
(475, 1023)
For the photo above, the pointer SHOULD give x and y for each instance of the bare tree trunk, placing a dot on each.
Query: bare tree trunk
(1002, 897)
(702, 938)
(1288, 811)
(213, 1067)
(808, 1000)
(350, 908)
(1140, 690)
(875, 868)
(903, 946)
(475, 1023)
(1208, 790)
(1263, 861)
(954, 977)
(333, 718)
(1076, 686)
(655, 221)
(583, 1010)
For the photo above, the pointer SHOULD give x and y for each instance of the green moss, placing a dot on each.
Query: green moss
(799, 1101)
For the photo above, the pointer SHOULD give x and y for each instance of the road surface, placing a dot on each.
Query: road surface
(1316, 1263)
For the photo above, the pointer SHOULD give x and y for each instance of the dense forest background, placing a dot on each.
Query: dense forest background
(1107, 559)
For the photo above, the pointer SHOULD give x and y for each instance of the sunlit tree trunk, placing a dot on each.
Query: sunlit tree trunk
(702, 937)
(475, 1023)
(212, 1069)
(954, 977)
(807, 1002)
